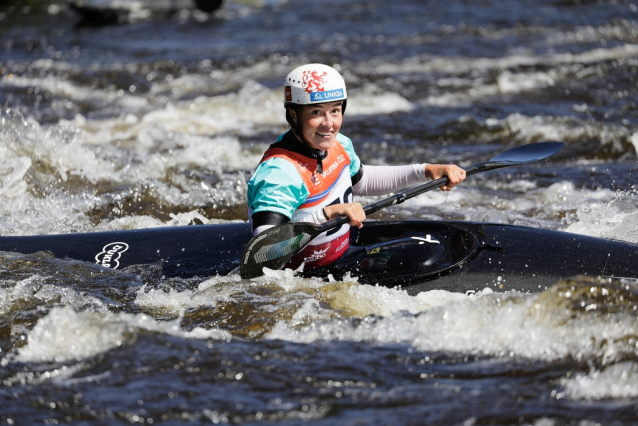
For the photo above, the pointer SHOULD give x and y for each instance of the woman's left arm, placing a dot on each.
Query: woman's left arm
(380, 180)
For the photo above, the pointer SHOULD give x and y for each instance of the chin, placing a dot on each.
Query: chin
(323, 145)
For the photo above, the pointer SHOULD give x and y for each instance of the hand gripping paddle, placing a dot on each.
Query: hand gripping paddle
(274, 247)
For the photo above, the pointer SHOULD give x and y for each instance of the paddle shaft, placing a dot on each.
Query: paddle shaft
(406, 194)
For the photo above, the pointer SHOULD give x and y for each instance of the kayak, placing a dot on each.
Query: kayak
(415, 255)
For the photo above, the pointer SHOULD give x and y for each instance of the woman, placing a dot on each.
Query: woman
(311, 173)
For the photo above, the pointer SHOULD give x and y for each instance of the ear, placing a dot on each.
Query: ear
(293, 115)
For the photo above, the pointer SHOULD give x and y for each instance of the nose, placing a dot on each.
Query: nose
(327, 120)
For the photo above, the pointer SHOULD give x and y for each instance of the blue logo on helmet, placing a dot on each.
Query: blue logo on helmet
(327, 95)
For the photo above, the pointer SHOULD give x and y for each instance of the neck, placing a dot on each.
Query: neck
(307, 149)
(298, 144)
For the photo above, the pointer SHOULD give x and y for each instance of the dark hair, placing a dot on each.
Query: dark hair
(295, 127)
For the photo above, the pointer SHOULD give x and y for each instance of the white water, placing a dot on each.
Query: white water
(503, 326)
(189, 140)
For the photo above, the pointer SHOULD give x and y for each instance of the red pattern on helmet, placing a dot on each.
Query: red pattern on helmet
(313, 81)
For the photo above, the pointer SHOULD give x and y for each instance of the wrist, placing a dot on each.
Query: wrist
(428, 172)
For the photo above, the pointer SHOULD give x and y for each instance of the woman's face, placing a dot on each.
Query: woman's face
(320, 124)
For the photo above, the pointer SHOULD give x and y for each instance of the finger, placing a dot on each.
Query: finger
(356, 222)
(456, 177)
(356, 215)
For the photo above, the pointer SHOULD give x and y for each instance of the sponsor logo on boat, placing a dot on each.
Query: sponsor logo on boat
(110, 255)
(428, 239)
(318, 254)
(327, 96)
(343, 244)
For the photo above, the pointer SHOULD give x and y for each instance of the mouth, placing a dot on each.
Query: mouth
(324, 134)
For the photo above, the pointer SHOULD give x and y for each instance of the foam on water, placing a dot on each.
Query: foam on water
(518, 202)
(34, 291)
(588, 321)
(455, 65)
(465, 81)
(58, 148)
(363, 300)
(48, 175)
(370, 100)
(619, 29)
(209, 293)
(12, 172)
(523, 82)
(243, 111)
(29, 215)
(614, 138)
(36, 163)
(535, 326)
(39, 160)
(617, 381)
(540, 207)
(615, 218)
(64, 89)
(65, 334)
(144, 221)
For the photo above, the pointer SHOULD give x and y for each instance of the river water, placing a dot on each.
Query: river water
(160, 121)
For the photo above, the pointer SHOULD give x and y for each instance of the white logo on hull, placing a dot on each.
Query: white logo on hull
(110, 255)
(316, 255)
(428, 239)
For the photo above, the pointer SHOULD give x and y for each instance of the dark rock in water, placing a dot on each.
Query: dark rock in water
(109, 12)
(90, 16)
(208, 6)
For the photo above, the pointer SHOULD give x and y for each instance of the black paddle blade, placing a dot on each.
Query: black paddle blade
(528, 153)
(274, 247)
(519, 155)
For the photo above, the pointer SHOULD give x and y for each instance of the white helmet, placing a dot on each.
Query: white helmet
(314, 84)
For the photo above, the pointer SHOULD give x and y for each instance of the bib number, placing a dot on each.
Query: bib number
(347, 198)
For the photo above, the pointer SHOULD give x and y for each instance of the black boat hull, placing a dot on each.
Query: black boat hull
(479, 255)
(416, 255)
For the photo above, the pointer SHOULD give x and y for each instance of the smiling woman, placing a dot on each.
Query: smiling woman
(312, 172)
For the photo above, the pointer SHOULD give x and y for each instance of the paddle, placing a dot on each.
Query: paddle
(274, 247)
